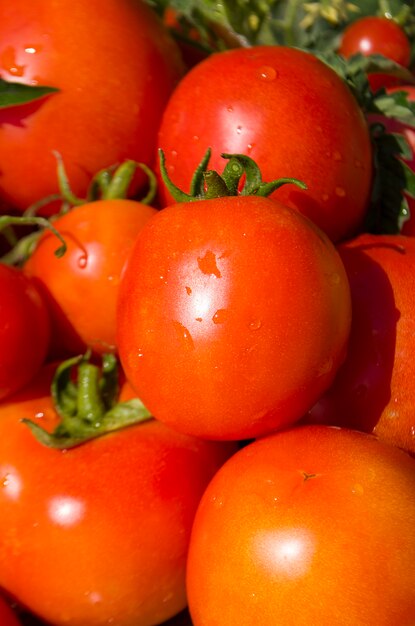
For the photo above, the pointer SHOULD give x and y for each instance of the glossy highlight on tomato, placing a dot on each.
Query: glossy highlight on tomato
(114, 65)
(312, 525)
(288, 111)
(233, 314)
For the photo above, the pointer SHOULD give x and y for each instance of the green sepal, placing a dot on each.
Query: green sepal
(226, 184)
(14, 94)
(87, 403)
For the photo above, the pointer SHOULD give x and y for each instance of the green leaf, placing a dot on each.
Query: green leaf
(14, 94)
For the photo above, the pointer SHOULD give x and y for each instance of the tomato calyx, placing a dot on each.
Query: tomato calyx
(207, 184)
(87, 404)
(14, 94)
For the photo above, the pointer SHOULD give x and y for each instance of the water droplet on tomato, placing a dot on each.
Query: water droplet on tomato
(255, 325)
(238, 130)
(207, 264)
(83, 261)
(229, 109)
(220, 316)
(267, 73)
(196, 137)
(340, 192)
(325, 367)
(9, 63)
(358, 489)
(325, 197)
(337, 156)
(184, 335)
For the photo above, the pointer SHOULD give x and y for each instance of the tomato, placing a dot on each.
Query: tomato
(7, 616)
(24, 330)
(288, 111)
(307, 526)
(233, 315)
(98, 534)
(377, 35)
(373, 390)
(81, 287)
(114, 65)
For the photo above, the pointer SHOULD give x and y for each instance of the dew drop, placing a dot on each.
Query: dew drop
(340, 192)
(337, 156)
(229, 109)
(267, 73)
(238, 130)
(255, 325)
(357, 489)
(220, 316)
(196, 137)
(83, 261)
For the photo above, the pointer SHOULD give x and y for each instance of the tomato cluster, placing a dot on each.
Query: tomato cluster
(206, 373)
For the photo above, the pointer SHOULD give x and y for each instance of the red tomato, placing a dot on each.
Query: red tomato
(275, 104)
(98, 534)
(308, 526)
(377, 35)
(233, 314)
(7, 616)
(81, 287)
(115, 66)
(374, 389)
(24, 330)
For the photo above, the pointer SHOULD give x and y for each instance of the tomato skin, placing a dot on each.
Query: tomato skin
(113, 80)
(215, 300)
(307, 526)
(373, 390)
(275, 104)
(24, 330)
(81, 287)
(98, 533)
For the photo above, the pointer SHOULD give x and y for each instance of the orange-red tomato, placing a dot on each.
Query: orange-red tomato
(98, 534)
(24, 330)
(275, 104)
(114, 65)
(81, 287)
(233, 316)
(374, 389)
(314, 525)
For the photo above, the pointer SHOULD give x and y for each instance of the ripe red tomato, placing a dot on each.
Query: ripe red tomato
(98, 534)
(307, 526)
(377, 35)
(81, 287)
(114, 65)
(233, 314)
(373, 390)
(24, 330)
(7, 616)
(275, 104)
